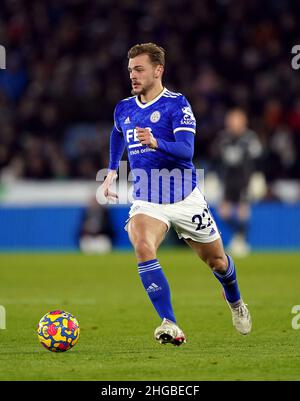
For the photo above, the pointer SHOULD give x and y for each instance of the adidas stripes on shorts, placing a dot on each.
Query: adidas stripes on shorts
(191, 217)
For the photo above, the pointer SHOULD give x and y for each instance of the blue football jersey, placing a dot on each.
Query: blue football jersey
(158, 177)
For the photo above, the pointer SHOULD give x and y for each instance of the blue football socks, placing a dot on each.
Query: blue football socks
(229, 282)
(157, 287)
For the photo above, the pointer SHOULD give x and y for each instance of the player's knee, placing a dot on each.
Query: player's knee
(144, 249)
(217, 263)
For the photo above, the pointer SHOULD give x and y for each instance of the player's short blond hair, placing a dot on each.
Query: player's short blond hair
(155, 52)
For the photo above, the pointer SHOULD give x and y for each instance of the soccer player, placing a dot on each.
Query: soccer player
(157, 127)
(237, 150)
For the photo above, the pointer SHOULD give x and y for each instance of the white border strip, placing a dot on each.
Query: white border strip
(184, 129)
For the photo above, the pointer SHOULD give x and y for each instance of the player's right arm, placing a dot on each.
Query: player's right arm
(116, 150)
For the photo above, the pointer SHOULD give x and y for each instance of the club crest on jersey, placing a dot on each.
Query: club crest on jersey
(188, 117)
(155, 116)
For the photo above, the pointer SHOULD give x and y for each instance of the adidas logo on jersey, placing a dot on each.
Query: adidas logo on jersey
(153, 287)
(127, 121)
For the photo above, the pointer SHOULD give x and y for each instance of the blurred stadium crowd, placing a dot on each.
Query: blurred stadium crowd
(67, 69)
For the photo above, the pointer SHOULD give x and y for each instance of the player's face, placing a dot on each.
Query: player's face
(236, 122)
(143, 74)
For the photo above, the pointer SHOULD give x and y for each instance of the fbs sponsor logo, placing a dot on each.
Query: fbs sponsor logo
(153, 287)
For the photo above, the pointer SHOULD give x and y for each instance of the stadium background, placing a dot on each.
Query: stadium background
(67, 69)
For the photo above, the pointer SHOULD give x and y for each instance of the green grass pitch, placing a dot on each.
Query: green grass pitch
(117, 320)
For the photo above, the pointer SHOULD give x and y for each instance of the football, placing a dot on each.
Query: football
(58, 331)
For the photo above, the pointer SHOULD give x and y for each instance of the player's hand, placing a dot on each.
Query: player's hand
(109, 180)
(146, 137)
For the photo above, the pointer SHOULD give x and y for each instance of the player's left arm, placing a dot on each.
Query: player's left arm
(184, 129)
(183, 147)
(255, 148)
